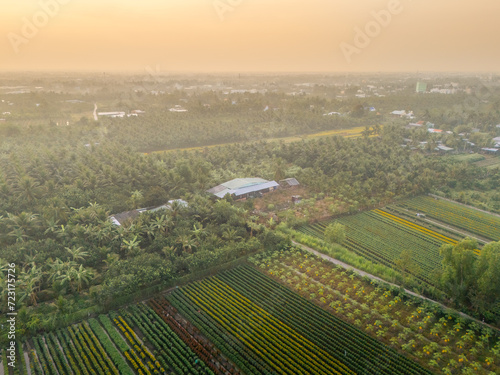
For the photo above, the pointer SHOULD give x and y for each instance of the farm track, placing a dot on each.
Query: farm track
(27, 361)
(373, 277)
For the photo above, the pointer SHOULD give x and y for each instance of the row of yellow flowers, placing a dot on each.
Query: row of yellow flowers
(225, 301)
(140, 348)
(417, 227)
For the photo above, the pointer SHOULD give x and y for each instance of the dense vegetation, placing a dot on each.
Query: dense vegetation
(59, 185)
(246, 305)
(55, 202)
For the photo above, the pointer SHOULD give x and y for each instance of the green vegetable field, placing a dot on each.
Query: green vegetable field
(381, 237)
(470, 219)
(285, 335)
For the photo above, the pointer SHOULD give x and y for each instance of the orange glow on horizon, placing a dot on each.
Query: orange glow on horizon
(252, 35)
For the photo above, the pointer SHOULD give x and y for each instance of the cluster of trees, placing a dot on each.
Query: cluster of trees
(470, 280)
(56, 195)
(91, 260)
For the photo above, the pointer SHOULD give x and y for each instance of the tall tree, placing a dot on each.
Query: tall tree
(335, 233)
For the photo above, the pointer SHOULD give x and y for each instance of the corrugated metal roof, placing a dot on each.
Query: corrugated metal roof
(247, 189)
(290, 181)
(444, 148)
(119, 219)
(239, 183)
(235, 184)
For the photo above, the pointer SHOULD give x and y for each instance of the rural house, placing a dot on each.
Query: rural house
(242, 188)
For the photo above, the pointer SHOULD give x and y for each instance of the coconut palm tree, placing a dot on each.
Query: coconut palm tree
(131, 247)
(187, 242)
(78, 254)
(230, 235)
(82, 276)
(28, 189)
(29, 284)
(22, 226)
(161, 224)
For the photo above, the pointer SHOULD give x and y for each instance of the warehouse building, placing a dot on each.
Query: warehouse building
(242, 188)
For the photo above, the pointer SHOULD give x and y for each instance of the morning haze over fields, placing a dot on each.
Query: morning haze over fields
(257, 35)
(247, 187)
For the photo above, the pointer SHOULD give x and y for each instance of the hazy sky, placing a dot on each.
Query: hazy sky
(250, 35)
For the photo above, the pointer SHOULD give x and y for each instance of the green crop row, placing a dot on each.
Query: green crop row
(261, 315)
(466, 218)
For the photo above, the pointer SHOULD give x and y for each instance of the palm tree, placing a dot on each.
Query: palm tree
(198, 231)
(176, 208)
(131, 247)
(22, 225)
(30, 284)
(161, 224)
(81, 276)
(187, 242)
(77, 253)
(28, 189)
(51, 225)
(230, 235)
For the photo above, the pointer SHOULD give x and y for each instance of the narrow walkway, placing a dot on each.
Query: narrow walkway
(462, 204)
(466, 234)
(27, 361)
(373, 277)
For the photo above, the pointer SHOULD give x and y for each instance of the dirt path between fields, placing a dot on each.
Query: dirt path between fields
(27, 361)
(373, 277)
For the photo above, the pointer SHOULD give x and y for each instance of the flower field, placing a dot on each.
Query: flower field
(266, 328)
(111, 345)
(293, 313)
(466, 218)
(441, 341)
(381, 237)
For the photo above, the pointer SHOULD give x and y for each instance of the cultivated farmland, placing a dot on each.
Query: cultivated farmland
(439, 340)
(467, 218)
(381, 237)
(267, 328)
(112, 344)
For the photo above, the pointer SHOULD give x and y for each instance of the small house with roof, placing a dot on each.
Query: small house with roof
(289, 182)
(129, 216)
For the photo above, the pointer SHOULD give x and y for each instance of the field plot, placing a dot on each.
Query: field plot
(490, 162)
(267, 329)
(111, 345)
(441, 341)
(474, 221)
(381, 237)
(345, 133)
